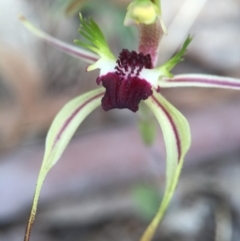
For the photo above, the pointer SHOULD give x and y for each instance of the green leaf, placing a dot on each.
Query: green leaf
(60, 133)
(147, 200)
(170, 64)
(91, 32)
(177, 137)
(147, 130)
(147, 125)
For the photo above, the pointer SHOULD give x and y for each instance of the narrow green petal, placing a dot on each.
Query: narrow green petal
(77, 52)
(200, 80)
(177, 137)
(60, 133)
(170, 64)
(97, 42)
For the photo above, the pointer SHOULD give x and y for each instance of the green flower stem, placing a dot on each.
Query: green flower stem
(42, 174)
(152, 227)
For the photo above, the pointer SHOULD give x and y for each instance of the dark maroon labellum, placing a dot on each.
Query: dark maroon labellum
(124, 88)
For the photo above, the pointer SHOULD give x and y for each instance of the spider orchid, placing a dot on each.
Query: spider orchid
(126, 81)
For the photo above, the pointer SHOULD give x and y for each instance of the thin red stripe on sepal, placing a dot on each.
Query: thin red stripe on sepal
(221, 82)
(72, 116)
(69, 50)
(175, 131)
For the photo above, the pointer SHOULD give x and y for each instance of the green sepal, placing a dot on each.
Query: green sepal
(59, 135)
(177, 138)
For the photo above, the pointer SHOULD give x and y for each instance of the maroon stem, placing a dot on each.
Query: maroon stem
(149, 39)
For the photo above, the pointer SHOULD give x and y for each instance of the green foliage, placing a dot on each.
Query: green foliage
(147, 200)
(147, 130)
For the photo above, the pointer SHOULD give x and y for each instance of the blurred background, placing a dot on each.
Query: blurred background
(108, 184)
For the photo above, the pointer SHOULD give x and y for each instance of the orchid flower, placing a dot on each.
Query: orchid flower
(126, 81)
